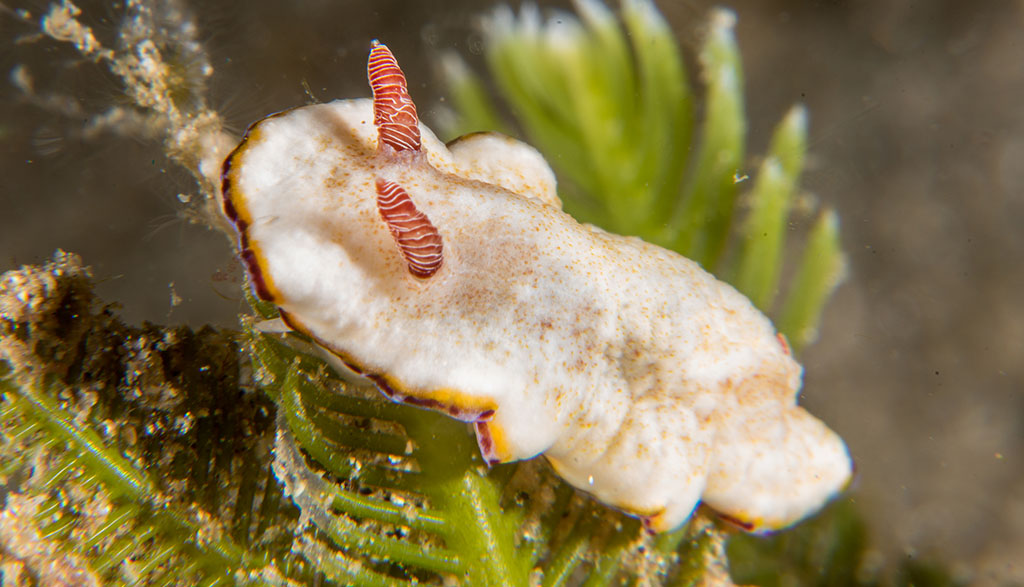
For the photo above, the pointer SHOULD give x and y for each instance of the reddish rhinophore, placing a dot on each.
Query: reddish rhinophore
(416, 237)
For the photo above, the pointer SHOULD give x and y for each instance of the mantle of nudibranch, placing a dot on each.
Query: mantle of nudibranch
(644, 380)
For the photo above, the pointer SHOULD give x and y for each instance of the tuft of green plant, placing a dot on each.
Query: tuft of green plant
(130, 455)
(609, 105)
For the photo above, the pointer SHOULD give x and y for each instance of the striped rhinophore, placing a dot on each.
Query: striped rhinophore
(394, 113)
(417, 238)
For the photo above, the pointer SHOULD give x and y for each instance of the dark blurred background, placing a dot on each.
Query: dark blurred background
(916, 138)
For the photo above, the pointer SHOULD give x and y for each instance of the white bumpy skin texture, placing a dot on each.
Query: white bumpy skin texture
(643, 380)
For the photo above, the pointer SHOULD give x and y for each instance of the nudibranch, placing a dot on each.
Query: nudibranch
(450, 277)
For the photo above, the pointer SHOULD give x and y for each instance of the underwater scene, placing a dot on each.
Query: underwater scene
(586, 292)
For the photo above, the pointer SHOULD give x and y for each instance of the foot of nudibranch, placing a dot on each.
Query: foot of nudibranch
(651, 524)
(490, 440)
(659, 522)
(453, 409)
(656, 524)
(736, 522)
(287, 323)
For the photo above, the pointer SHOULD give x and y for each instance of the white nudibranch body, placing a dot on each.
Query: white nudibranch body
(450, 276)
